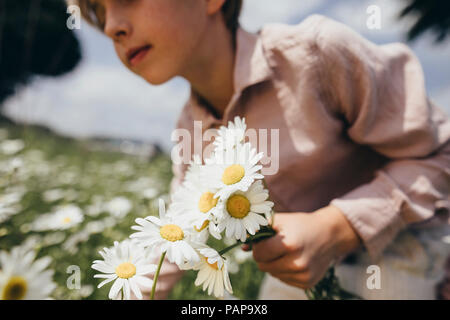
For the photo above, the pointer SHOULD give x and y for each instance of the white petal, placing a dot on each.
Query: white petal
(260, 197)
(218, 286)
(103, 267)
(259, 219)
(146, 269)
(229, 229)
(202, 275)
(248, 225)
(135, 289)
(126, 289)
(143, 282)
(106, 281)
(118, 284)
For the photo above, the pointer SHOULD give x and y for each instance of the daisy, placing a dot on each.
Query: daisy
(7, 212)
(53, 195)
(166, 234)
(63, 218)
(14, 164)
(243, 212)
(11, 198)
(119, 207)
(229, 137)
(233, 169)
(24, 278)
(149, 193)
(66, 217)
(126, 264)
(10, 204)
(195, 169)
(10, 147)
(213, 273)
(195, 203)
(202, 236)
(96, 206)
(42, 223)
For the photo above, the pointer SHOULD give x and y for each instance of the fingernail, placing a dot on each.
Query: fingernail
(245, 247)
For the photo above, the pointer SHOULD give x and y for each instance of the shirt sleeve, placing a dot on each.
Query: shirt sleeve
(379, 92)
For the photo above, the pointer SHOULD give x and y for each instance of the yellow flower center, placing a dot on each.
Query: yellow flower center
(233, 174)
(171, 232)
(67, 220)
(212, 265)
(15, 289)
(204, 225)
(125, 270)
(207, 202)
(238, 206)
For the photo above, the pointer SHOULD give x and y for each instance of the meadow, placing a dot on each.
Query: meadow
(42, 173)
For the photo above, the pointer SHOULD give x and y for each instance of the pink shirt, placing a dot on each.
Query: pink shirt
(356, 129)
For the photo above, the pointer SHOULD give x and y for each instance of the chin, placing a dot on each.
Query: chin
(157, 79)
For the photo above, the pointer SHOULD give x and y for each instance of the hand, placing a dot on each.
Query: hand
(305, 245)
(169, 275)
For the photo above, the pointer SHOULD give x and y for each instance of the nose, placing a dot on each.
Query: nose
(116, 25)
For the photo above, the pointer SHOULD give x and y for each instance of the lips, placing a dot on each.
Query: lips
(135, 55)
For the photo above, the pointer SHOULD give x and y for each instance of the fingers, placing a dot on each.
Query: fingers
(289, 263)
(269, 249)
(291, 268)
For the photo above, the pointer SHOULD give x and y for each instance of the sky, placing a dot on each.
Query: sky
(102, 98)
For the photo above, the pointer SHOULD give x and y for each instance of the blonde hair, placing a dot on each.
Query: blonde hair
(231, 11)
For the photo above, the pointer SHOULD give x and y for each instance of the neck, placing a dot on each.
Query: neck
(211, 72)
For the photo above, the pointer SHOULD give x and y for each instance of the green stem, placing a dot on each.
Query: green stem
(259, 236)
(223, 251)
(155, 279)
(249, 240)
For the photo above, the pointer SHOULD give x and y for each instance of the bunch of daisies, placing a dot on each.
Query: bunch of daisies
(222, 197)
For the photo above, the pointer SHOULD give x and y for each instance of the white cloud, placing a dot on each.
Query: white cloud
(101, 100)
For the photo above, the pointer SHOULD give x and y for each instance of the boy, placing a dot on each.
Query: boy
(364, 154)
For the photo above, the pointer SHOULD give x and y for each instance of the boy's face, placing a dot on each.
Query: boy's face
(155, 38)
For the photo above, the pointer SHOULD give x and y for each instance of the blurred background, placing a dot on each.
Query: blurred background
(84, 140)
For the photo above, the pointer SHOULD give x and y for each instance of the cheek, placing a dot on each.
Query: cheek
(178, 46)
(173, 50)
(174, 28)
(163, 63)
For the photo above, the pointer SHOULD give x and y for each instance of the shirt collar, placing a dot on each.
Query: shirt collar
(251, 67)
(251, 64)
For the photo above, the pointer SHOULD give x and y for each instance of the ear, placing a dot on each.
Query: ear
(214, 6)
